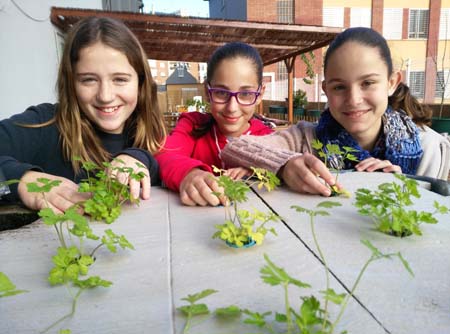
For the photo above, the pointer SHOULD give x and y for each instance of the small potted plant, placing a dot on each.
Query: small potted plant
(243, 228)
(300, 102)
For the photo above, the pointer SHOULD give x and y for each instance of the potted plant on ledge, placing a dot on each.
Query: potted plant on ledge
(300, 102)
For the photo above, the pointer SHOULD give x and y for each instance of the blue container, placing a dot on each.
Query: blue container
(250, 243)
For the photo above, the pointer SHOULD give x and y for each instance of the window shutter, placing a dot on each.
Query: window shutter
(417, 83)
(333, 17)
(392, 23)
(360, 17)
(444, 24)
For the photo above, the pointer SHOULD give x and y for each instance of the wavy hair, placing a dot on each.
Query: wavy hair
(78, 137)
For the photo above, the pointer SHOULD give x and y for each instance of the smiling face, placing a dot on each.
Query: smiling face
(357, 86)
(235, 74)
(106, 86)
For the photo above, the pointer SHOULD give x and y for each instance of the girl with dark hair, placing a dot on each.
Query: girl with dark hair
(234, 87)
(370, 110)
(107, 107)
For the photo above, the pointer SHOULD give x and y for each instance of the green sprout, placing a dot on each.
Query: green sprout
(388, 207)
(242, 226)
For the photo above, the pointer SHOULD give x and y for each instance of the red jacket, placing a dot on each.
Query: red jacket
(182, 152)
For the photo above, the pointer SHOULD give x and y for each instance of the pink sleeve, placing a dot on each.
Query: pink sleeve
(174, 159)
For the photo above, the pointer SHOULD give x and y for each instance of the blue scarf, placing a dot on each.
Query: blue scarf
(399, 142)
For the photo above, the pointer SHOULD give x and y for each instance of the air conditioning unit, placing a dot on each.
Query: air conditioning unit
(123, 5)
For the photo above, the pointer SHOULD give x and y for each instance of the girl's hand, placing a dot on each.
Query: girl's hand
(141, 187)
(301, 175)
(238, 172)
(373, 164)
(59, 198)
(197, 187)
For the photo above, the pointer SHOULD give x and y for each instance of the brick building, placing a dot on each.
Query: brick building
(417, 31)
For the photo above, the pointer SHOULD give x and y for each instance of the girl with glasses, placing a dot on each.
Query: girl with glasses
(234, 88)
(107, 107)
(370, 110)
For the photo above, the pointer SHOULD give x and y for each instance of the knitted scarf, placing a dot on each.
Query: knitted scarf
(399, 142)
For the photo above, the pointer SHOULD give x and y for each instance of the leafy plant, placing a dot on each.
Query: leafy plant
(194, 309)
(7, 288)
(108, 193)
(311, 316)
(334, 157)
(241, 227)
(73, 260)
(300, 99)
(388, 207)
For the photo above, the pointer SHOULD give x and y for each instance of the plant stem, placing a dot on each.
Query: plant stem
(72, 312)
(288, 308)
(95, 249)
(327, 273)
(187, 326)
(344, 304)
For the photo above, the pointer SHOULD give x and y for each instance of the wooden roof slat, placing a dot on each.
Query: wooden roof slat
(162, 36)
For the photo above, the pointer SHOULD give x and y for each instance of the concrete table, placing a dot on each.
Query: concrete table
(401, 303)
(176, 256)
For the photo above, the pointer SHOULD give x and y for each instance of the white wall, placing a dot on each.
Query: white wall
(28, 52)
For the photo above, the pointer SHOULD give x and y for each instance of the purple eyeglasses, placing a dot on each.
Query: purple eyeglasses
(222, 96)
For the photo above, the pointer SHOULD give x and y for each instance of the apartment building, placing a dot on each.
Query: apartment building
(418, 32)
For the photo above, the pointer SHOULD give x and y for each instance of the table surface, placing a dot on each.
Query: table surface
(175, 256)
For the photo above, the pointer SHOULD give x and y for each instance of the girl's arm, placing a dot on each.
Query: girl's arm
(174, 159)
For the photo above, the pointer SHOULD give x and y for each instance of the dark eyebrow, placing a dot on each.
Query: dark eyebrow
(363, 77)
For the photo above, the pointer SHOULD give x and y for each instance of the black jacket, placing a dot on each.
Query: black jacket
(24, 148)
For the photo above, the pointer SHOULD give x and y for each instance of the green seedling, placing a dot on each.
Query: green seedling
(73, 260)
(108, 192)
(311, 317)
(388, 207)
(242, 226)
(201, 312)
(7, 288)
(334, 157)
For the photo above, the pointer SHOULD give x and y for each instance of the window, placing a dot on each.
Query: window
(333, 17)
(442, 81)
(418, 23)
(360, 17)
(392, 23)
(444, 24)
(180, 71)
(281, 90)
(417, 83)
(285, 11)
(282, 73)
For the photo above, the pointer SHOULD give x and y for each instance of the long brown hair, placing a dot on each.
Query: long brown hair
(401, 98)
(78, 137)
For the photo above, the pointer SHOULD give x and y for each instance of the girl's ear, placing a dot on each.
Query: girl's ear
(394, 80)
(324, 87)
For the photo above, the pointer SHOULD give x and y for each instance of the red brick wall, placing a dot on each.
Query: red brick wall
(377, 15)
(346, 17)
(432, 49)
(308, 12)
(405, 23)
(262, 10)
